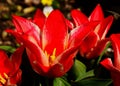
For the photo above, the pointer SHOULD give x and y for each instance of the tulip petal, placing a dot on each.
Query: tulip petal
(98, 49)
(54, 33)
(60, 69)
(115, 38)
(39, 18)
(78, 17)
(25, 25)
(27, 28)
(5, 65)
(16, 58)
(35, 49)
(39, 54)
(115, 73)
(16, 78)
(104, 27)
(115, 77)
(88, 43)
(97, 14)
(64, 61)
(36, 56)
(69, 24)
(37, 66)
(78, 34)
(107, 63)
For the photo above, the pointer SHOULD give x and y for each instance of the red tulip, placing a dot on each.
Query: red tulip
(39, 18)
(10, 74)
(50, 49)
(95, 42)
(114, 66)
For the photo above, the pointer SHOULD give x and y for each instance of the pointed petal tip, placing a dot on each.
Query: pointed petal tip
(98, 5)
(38, 14)
(107, 63)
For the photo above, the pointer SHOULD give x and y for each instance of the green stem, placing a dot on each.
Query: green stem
(101, 55)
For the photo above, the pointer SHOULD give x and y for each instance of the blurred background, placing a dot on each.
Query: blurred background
(27, 8)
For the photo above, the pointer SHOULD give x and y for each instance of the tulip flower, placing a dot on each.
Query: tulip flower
(51, 49)
(40, 17)
(114, 66)
(10, 74)
(95, 42)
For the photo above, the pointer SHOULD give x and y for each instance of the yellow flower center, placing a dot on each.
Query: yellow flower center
(3, 78)
(52, 56)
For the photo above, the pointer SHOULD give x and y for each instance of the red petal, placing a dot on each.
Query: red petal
(69, 24)
(89, 43)
(115, 38)
(54, 33)
(77, 35)
(78, 17)
(39, 18)
(97, 14)
(37, 51)
(16, 78)
(37, 65)
(5, 65)
(107, 63)
(115, 73)
(116, 77)
(39, 14)
(33, 48)
(104, 27)
(16, 58)
(98, 49)
(27, 28)
(63, 62)
(60, 69)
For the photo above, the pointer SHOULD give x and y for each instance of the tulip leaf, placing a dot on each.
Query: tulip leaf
(79, 71)
(60, 82)
(93, 82)
(8, 48)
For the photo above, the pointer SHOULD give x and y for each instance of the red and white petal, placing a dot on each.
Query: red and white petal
(104, 27)
(54, 33)
(27, 27)
(78, 34)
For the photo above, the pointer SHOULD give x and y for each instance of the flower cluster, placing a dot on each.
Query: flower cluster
(10, 73)
(52, 43)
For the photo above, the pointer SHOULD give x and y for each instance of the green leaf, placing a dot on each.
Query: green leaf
(78, 70)
(93, 82)
(8, 48)
(60, 82)
(90, 73)
(101, 55)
